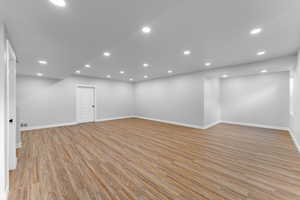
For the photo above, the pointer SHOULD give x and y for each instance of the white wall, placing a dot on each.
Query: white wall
(257, 99)
(212, 108)
(44, 102)
(295, 105)
(3, 118)
(176, 99)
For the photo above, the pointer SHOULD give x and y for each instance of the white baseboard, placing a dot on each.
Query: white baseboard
(294, 140)
(47, 126)
(4, 194)
(256, 125)
(69, 124)
(211, 124)
(114, 118)
(170, 122)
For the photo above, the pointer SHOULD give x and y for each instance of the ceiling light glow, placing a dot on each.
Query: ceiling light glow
(107, 54)
(77, 72)
(264, 71)
(170, 71)
(88, 66)
(256, 31)
(260, 53)
(39, 74)
(108, 76)
(187, 52)
(43, 62)
(59, 3)
(145, 76)
(207, 64)
(146, 29)
(146, 65)
(122, 72)
(131, 79)
(224, 76)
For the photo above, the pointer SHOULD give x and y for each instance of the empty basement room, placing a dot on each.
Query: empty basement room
(150, 100)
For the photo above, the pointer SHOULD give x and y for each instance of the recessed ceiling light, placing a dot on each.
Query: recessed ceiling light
(43, 62)
(145, 76)
(264, 71)
(39, 74)
(170, 71)
(224, 76)
(59, 3)
(77, 72)
(88, 66)
(256, 31)
(131, 79)
(107, 54)
(260, 53)
(122, 72)
(187, 52)
(146, 29)
(146, 65)
(108, 76)
(207, 64)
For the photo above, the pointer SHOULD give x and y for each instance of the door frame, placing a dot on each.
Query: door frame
(76, 100)
(11, 56)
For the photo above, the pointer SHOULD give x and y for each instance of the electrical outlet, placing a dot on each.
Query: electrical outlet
(25, 124)
(21, 125)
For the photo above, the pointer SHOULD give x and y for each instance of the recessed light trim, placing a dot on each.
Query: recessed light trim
(170, 71)
(145, 65)
(256, 31)
(77, 71)
(39, 74)
(122, 72)
(146, 76)
(187, 52)
(58, 3)
(261, 52)
(207, 64)
(146, 29)
(43, 62)
(108, 76)
(107, 54)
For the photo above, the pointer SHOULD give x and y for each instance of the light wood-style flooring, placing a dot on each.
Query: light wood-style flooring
(139, 160)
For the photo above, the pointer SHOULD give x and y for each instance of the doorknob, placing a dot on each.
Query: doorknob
(11, 120)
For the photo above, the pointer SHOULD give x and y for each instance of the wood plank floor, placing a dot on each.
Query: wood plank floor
(140, 160)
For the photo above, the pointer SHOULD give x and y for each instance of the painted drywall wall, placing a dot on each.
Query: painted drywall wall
(43, 101)
(295, 105)
(257, 99)
(3, 118)
(176, 99)
(212, 108)
(181, 99)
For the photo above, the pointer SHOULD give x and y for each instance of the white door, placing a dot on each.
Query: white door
(11, 111)
(85, 104)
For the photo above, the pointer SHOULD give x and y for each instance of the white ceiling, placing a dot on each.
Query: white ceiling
(214, 30)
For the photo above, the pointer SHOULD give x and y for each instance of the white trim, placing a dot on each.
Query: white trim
(47, 126)
(114, 118)
(170, 122)
(4, 194)
(76, 100)
(257, 125)
(211, 124)
(294, 140)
